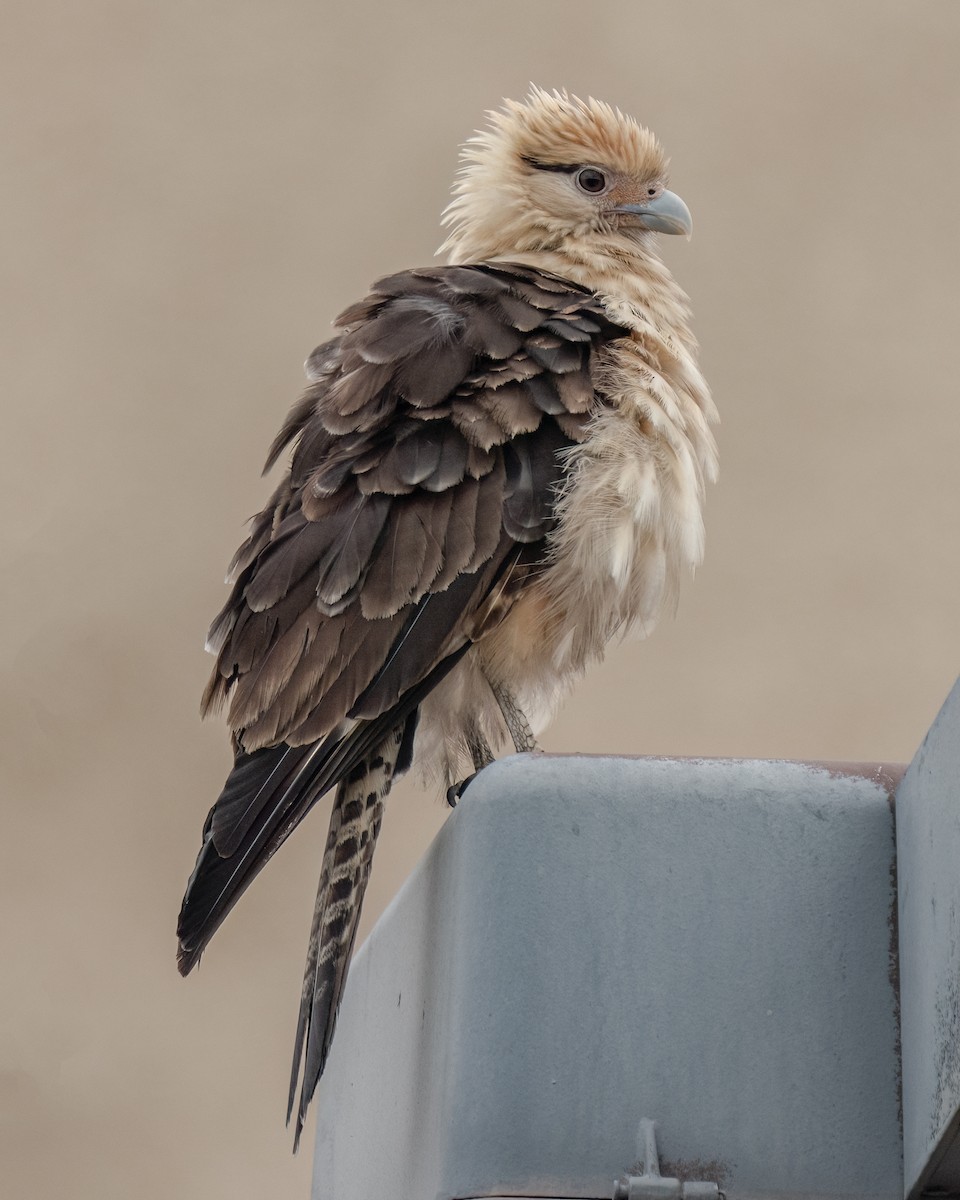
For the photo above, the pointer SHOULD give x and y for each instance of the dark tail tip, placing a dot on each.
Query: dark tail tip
(296, 1134)
(186, 959)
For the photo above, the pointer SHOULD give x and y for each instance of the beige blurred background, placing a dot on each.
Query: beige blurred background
(190, 193)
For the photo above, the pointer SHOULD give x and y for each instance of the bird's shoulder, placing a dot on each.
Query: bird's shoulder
(490, 348)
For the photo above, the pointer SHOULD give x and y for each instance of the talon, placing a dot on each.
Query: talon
(455, 790)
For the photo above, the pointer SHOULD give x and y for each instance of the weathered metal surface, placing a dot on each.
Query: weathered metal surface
(589, 940)
(928, 853)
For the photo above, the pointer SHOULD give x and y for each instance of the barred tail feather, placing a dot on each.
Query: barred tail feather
(354, 826)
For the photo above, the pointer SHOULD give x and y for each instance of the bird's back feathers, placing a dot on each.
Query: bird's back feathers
(398, 487)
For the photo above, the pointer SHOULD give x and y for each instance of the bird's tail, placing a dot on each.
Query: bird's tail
(354, 825)
(265, 797)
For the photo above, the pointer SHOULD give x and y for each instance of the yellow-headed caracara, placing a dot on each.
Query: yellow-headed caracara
(498, 466)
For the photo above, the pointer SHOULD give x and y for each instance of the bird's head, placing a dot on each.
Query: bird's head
(556, 172)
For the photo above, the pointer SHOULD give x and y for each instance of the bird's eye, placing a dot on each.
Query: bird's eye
(591, 180)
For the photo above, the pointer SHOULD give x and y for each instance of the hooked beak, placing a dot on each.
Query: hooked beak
(666, 214)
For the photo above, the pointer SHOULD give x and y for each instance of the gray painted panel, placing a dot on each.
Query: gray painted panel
(590, 941)
(928, 853)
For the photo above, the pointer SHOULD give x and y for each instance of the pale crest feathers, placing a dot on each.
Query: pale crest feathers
(490, 214)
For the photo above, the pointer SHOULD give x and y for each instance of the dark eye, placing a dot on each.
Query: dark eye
(591, 180)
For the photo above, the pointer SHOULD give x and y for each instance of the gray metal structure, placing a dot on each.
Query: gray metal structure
(592, 943)
(928, 857)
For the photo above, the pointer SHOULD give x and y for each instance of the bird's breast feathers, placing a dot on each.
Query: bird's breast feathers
(628, 516)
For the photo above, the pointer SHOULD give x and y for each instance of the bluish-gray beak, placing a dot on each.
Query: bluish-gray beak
(666, 214)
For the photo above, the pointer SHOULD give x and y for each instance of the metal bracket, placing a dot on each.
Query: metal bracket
(651, 1185)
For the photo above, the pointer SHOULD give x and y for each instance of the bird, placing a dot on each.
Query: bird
(498, 468)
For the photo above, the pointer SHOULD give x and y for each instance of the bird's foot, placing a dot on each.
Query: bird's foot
(456, 790)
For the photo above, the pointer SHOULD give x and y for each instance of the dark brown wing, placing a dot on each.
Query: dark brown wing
(424, 471)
